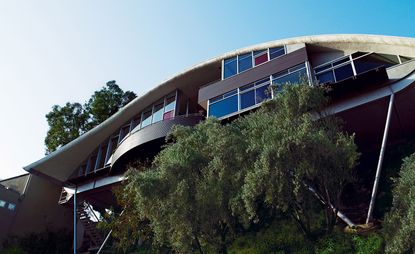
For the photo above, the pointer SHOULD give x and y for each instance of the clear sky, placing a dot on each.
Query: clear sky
(53, 51)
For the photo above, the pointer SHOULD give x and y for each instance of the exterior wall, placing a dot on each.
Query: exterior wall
(7, 216)
(37, 210)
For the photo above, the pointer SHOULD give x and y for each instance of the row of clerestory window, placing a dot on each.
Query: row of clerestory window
(243, 62)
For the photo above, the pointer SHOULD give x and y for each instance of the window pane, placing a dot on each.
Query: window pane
(259, 59)
(262, 93)
(276, 52)
(224, 107)
(292, 78)
(230, 93)
(262, 82)
(343, 72)
(326, 77)
(374, 61)
(247, 99)
(245, 62)
(405, 59)
(322, 68)
(170, 104)
(229, 67)
(158, 113)
(243, 88)
(338, 62)
(11, 207)
(168, 115)
(146, 119)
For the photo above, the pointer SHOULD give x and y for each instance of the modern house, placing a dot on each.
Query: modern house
(373, 81)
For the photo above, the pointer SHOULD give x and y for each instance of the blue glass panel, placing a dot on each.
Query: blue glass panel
(228, 94)
(343, 72)
(158, 115)
(224, 107)
(229, 67)
(276, 52)
(292, 78)
(146, 120)
(326, 77)
(262, 93)
(247, 99)
(245, 62)
(371, 62)
(170, 106)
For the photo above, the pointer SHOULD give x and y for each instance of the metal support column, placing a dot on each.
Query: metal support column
(381, 155)
(74, 222)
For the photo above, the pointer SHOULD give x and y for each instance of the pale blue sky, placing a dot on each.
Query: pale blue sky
(53, 51)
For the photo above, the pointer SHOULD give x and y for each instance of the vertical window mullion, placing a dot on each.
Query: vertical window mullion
(352, 63)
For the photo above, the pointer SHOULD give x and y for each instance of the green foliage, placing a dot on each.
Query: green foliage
(72, 120)
(187, 192)
(107, 101)
(293, 145)
(399, 223)
(283, 236)
(213, 182)
(371, 244)
(65, 124)
(40, 243)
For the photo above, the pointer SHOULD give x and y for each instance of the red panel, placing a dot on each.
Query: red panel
(168, 115)
(261, 59)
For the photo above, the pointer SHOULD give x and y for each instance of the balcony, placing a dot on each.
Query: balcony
(147, 141)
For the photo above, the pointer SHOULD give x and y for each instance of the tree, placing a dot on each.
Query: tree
(187, 191)
(295, 145)
(65, 124)
(72, 120)
(211, 181)
(399, 226)
(107, 101)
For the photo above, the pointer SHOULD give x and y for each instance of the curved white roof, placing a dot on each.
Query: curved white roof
(60, 164)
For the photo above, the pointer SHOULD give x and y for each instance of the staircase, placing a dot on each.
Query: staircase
(65, 197)
(92, 237)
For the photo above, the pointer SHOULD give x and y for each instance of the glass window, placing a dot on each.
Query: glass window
(260, 56)
(276, 52)
(247, 99)
(326, 77)
(262, 93)
(404, 58)
(262, 82)
(229, 67)
(244, 62)
(11, 207)
(146, 118)
(170, 103)
(158, 112)
(230, 93)
(224, 107)
(246, 87)
(343, 60)
(168, 115)
(374, 61)
(343, 72)
(292, 78)
(322, 68)
(2, 203)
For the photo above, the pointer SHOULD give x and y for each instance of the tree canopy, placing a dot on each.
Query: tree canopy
(68, 122)
(400, 221)
(214, 180)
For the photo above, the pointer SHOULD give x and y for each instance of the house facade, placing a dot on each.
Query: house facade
(373, 81)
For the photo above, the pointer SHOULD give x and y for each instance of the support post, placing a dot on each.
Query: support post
(74, 222)
(380, 161)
